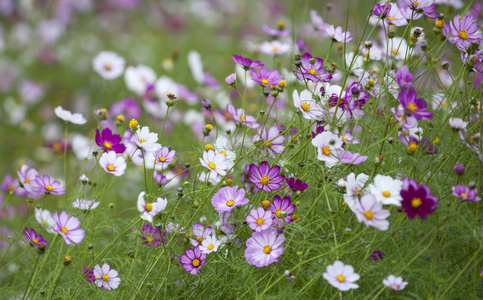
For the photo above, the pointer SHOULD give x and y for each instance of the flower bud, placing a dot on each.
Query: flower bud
(67, 260)
(206, 104)
(297, 56)
(130, 253)
(187, 165)
(472, 185)
(265, 204)
(111, 205)
(355, 91)
(120, 119)
(209, 147)
(459, 169)
(287, 273)
(231, 79)
(133, 124)
(368, 44)
(90, 246)
(102, 114)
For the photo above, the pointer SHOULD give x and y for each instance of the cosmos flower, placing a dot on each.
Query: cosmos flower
(264, 248)
(386, 190)
(109, 65)
(106, 277)
(404, 78)
(193, 260)
(209, 244)
(138, 79)
(328, 146)
(296, 184)
(464, 31)
(146, 140)
(215, 163)
(394, 283)
(239, 115)
(150, 209)
(281, 209)
(341, 276)
(67, 116)
(338, 34)
(465, 193)
(312, 68)
(415, 106)
(112, 164)
(265, 77)
(85, 204)
(34, 238)
(164, 156)
(109, 142)
(68, 227)
(370, 211)
(417, 199)
(260, 219)
(354, 189)
(310, 108)
(377, 255)
(200, 233)
(247, 63)
(458, 124)
(228, 198)
(44, 184)
(44, 218)
(349, 158)
(274, 47)
(273, 141)
(151, 236)
(279, 32)
(266, 178)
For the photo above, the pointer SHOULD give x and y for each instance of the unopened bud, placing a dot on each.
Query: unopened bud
(101, 114)
(67, 260)
(368, 44)
(133, 124)
(206, 104)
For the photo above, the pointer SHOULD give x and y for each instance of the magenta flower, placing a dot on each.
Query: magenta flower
(349, 158)
(193, 260)
(260, 219)
(68, 227)
(228, 198)
(246, 63)
(264, 248)
(109, 142)
(151, 236)
(417, 199)
(282, 208)
(34, 238)
(89, 274)
(164, 156)
(200, 233)
(377, 255)
(415, 106)
(404, 78)
(266, 178)
(271, 139)
(464, 32)
(266, 77)
(465, 193)
(312, 69)
(296, 184)
(45, 185)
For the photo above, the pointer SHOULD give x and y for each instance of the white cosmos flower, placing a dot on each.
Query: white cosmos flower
(328, 146)
(147, 140)
(310, 109)
(386, 190)
(370, 212)
(150, 209)
(112, 164)
(67, 116)
(394, 283)
(138, 78)
(209, 244)
(44, 217)
(341, 276)
(109, 65)
(196, 66)
(215, 162)
(222, 146)
(354, 189)
(274, 47)
(165, 86)
(85, 204)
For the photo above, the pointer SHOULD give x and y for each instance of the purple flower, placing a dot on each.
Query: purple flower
(312, 69)
(282, 208)
(109, 141)
(465, 193)
(193, 260)
(89, 274)
(264, 248)
(346, 157)
(34, 238)
(44, 185)
(459, 169)
(68, 227)
(417, 199)
(239, 115)
(164, 156)
(415, 106)
(160, 178)
(381, 10)
(266, 77)
(11, 185)
(296, 184)
(338, 34)
(414, 144)
(302, 45)
(407, 122)
(273, 141)
(151, 236)
(275, 32)
(231, 79)
(464, 32)
(377, 255)
(206, 103)
(404, 78)
(266, 178)
(200, 233)
(127, 107)
(260, 219)
(246, 63)
(228, 198)
(354, 97)
(425, 6)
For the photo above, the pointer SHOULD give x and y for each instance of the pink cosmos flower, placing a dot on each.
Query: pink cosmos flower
(266, 178)
(338, 34)
(68, 227)
(266, 77)
(34, 238)
(260, 219)
(215, 162)
(273, 141)
(341, 276)
(415, 106)
(164, 156)
(45, 185)
(246, 63)
(106, 277)
(264, 248)
(312, 68)
(193, 260)
(151, 236)
(239, 115)
(465, 193)
(349, 158)
(200, 233)
(281, 209)
(370, 211)
(464, 32)
(394, 283)
(228, 198)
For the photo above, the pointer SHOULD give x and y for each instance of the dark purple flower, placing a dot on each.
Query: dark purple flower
(109, 141)
(318, 130)
(89, 274)
(296, 184)
(465, 193)
(34, 238)
(377, 255)
(404, 78)
(246, 63)
(312, 69)
(354, 97)
(417, 199)
(381, 10)
(266, 178)
(193, 260)
(266, 77)
(151, 236)
(459, 169)
(415, 106)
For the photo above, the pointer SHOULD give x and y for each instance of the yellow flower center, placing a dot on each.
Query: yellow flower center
(210, 247)
(259, 221)
(264, 180)
(267, 249)
(35, 241)
(105, 277)
(369, 215)
(395, 52)
(464, 195)
(341, 278)
(107, 67)
(64, 230)
(444, 104)
(305, 106)
(27, 180)
(282, 83)
(196, 262)
(264, 81)
(390, 18)
(416, 202)
(412, 107)
(148, 207)
(150, 239)
(344, 139)
(49, 188)
(223, 152)
(162, 159)
(230, 203)
(277, 213)
(413, 147)
(386, 194)
(415, 4)
(395, 286)
(200, 239)
(311, 71)
(371, 82)
(275, 49)
(110, 168)
(268, 144)
(326, 151)
(358, 192)
(107, 145)
(212, 165)
(439, 24)
(463, 35)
